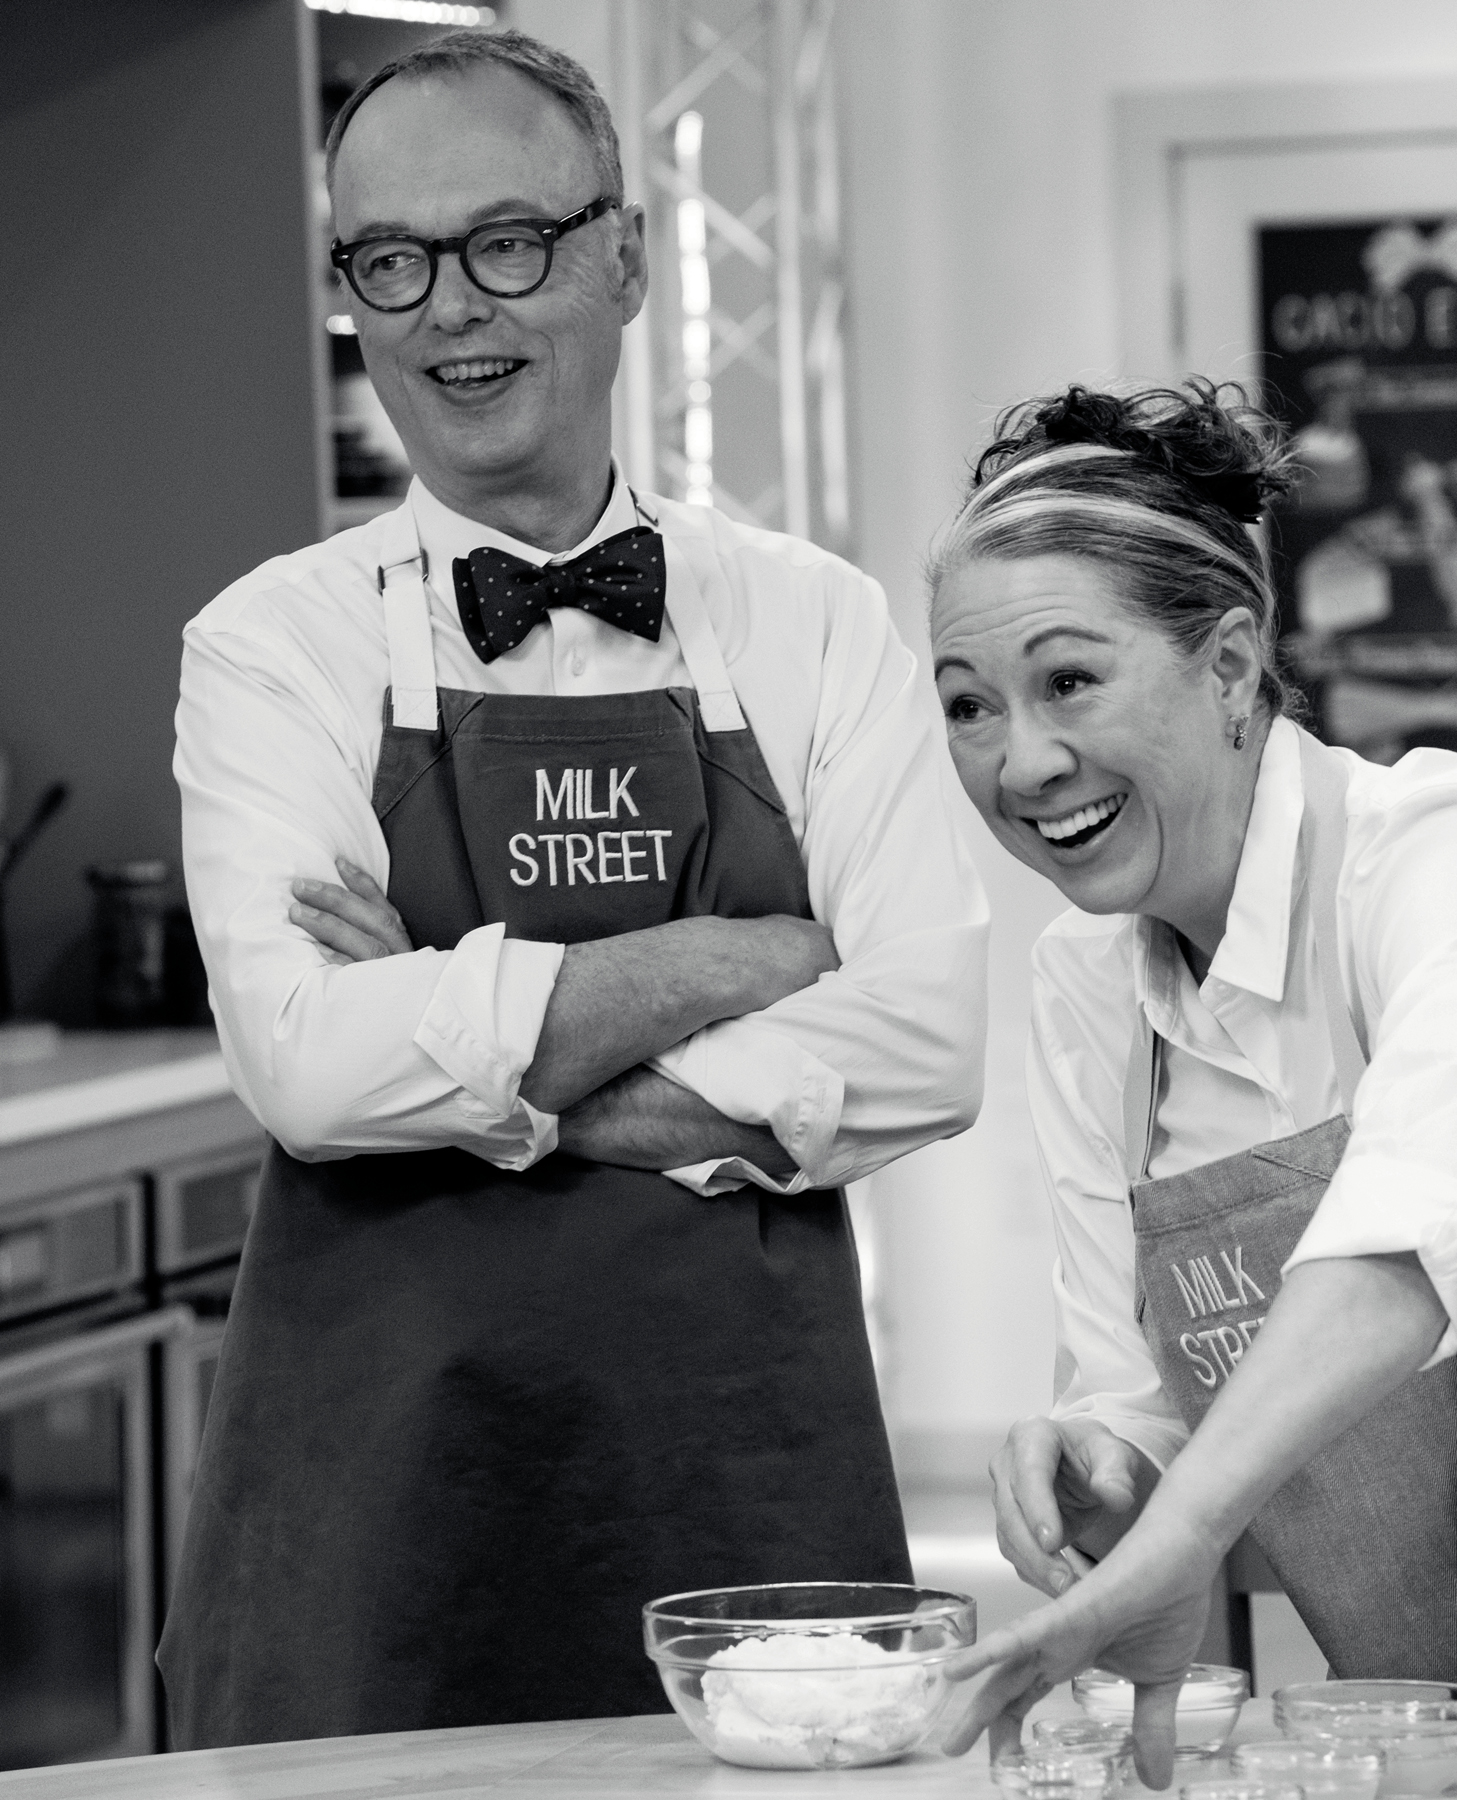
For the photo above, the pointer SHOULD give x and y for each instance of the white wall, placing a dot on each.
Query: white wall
(980, 205)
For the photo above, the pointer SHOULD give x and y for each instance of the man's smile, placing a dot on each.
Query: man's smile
(468, 373)
(1081, 826)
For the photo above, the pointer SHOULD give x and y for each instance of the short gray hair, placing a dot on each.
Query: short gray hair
(458, 52)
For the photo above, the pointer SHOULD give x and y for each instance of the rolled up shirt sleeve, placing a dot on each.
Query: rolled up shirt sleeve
(409, 1052)
(1104, 1370)
(886, 1053)
(1396, 1187)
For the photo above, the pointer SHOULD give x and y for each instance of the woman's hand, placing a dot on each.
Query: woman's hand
(1140, 1613)
(355, 921)
(1062, 1482)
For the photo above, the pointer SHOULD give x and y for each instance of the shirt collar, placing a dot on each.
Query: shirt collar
(445, 535)
(1254, 950)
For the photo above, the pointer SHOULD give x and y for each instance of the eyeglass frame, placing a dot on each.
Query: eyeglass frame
(342, 255)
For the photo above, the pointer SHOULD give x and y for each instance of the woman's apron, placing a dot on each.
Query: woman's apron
(467, 1421)
(1364, 1538)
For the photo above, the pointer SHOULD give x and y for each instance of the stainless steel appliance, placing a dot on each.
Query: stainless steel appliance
(113, 1301)
(77, 1544)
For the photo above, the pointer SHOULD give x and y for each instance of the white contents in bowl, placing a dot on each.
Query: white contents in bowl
(1208, 1707)
(787, 1701)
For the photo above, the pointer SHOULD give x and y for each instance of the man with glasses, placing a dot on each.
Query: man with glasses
(584, 899)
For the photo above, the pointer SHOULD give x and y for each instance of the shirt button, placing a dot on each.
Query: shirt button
(578, 663)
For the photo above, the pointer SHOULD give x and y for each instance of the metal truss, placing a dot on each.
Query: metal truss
(734, 391)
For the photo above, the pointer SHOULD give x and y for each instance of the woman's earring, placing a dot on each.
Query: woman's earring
(1234, 729)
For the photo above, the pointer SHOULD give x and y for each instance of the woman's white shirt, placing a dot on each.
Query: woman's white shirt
(1247, 1059)
(278, 735)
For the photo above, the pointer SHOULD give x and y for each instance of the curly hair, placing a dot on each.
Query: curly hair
(1159, 485)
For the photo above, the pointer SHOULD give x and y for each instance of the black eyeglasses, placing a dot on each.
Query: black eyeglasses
(506, 258)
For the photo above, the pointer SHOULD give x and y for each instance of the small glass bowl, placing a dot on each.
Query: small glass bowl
(1339, 1771)
(1423, 1763)
(1368, 1711)
(1208, 1710)
(1106, 1737)
(1057, 1772)
(811, 1675)
(1237, 1789)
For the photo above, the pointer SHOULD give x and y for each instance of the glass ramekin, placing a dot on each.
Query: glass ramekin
(813, 1675)
(1368, 1711)
(1335, 1771)
(1057, 1772)
(1237, 1789)
(1209, 1705)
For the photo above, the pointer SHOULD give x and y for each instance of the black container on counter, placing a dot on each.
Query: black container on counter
(131, 942)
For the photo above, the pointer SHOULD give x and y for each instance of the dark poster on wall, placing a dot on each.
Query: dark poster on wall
(1359, 327)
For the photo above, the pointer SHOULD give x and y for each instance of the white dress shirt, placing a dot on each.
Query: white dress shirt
(278, 735)
(1247, 1059)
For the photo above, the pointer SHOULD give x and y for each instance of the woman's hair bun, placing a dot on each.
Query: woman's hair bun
(1208, 438)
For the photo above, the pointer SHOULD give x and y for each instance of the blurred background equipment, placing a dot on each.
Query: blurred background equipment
(12, 852)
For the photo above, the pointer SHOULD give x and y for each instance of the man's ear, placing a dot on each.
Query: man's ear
(632, 261)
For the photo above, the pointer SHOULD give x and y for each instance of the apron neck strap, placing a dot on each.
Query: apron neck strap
(402, 576)
(1140, 1097)
(1323, 847)
(718, 705)
(1323, 843)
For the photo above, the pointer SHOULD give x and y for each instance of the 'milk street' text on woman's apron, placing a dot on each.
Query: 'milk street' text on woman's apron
(467, 1421)
(1364, 1538)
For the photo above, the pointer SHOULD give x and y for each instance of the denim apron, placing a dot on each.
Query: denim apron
(467, 1421)
(1364, 1537)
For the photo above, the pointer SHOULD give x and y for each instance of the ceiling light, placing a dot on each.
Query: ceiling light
(408, 12)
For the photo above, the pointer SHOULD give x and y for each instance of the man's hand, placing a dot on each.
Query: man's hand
(1141, 1613)
(644, 1121)
(356, 921)
(1060, 1483)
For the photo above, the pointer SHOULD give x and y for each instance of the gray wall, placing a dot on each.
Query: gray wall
(159, 423)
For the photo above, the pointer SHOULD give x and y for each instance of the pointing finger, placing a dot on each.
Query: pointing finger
(1154, 1707)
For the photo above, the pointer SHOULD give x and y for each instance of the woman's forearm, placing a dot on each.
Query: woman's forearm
(1341, 1335)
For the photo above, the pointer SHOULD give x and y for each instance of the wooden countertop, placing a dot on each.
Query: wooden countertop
(96, 1077)
(561, 1760)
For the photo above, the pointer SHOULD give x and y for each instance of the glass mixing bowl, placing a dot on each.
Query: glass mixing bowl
(1209, 1704)
(812, 1675)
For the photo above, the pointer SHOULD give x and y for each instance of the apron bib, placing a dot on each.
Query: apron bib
(1364, 1538)
(467, 1421)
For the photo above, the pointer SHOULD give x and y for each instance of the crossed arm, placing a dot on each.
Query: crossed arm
(617, 1002)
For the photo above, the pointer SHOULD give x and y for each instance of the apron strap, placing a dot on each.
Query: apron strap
(1323, 844)
(718, 705)
(1140, 1098)
(1323, 841)
(402, 577)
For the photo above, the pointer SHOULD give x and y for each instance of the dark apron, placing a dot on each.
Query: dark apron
(1364, 1538)
(467, 1421)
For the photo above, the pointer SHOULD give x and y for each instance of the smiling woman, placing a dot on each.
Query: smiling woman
(1241, 1069)
(1101, 617)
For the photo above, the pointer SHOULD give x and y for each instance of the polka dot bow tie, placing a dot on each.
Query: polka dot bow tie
(621, 581)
